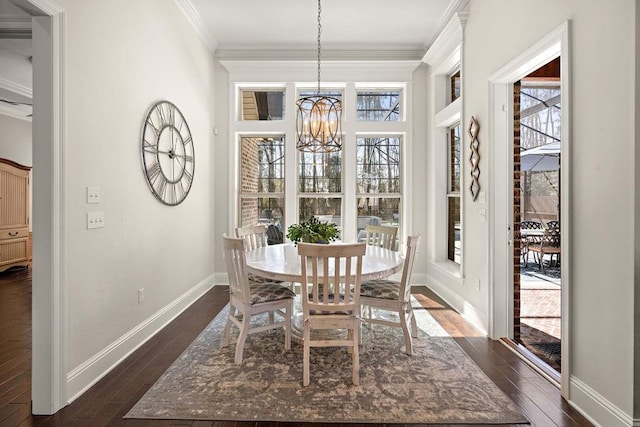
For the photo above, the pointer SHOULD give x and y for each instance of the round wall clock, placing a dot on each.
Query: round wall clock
(168, 159)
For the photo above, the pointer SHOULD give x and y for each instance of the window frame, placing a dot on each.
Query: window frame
(242, 195)
(350, 128)
(452, 193)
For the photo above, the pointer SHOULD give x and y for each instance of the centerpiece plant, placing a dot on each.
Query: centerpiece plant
(313, 231)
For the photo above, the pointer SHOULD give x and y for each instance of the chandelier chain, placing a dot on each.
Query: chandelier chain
(319, 32)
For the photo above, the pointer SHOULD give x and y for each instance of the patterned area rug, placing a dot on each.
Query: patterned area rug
(439, 384)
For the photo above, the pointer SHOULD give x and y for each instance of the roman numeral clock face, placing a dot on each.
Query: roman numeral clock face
(167, 153)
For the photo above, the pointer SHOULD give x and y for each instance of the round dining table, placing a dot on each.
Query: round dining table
(282, 262)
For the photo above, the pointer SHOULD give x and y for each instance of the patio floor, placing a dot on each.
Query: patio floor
(540, 312)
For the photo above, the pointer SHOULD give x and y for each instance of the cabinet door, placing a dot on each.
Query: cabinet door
(14, 200)
(12, 251)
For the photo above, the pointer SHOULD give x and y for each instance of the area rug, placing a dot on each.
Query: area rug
(438, 384)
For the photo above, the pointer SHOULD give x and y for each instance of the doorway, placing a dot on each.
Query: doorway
(505, 250)
(537, 278)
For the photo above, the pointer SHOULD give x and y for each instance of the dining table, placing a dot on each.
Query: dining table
(281, 262)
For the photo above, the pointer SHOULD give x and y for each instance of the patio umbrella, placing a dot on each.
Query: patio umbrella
(543, 158)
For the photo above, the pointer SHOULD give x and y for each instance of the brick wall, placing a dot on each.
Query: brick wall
(517, 244)
(249, 181)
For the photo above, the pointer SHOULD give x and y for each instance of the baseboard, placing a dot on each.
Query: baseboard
(459, 304)
(91, 371)
(221, 279)
(596, 408)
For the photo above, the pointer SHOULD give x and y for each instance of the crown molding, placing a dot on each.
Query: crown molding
(306, 71)
(447, 43)
(197, 23)
(387, 55)
(16, 88)
(14, 113)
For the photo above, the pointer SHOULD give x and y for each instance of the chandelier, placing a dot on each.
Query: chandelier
(318, 123)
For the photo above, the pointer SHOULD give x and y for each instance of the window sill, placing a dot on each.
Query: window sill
(449, 268)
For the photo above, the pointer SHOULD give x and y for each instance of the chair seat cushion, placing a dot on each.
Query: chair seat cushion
(265, 292)
(380, 288)
(259, 279)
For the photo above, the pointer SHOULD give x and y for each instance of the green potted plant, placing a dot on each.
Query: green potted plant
(313, 231)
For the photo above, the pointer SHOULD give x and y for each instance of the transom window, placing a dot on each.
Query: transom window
(262, 104)
(378, 106)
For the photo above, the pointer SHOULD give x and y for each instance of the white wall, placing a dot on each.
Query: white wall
(122, 57)
(602, 178)
(15, 144)
(15, 140)
(222, 167)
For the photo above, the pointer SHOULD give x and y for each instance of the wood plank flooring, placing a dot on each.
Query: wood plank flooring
(108, 401)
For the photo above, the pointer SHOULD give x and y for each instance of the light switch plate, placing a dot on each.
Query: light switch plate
(482, 197)
(93, 194)
(95, 220)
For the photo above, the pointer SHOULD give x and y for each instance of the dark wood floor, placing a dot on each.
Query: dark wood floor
(107, 401)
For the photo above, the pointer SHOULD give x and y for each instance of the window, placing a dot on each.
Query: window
(378, 181)
(454, 86)
(320, 186)
(454, 243)
(262, 181)
(262, 104)
(365, 190)
(378, 106)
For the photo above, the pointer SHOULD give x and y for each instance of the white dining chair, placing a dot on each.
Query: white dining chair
(248, 298)
(330, 298)
(382, 235)
(394, 296)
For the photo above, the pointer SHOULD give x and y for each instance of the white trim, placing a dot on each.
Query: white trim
(81, 378)
(332, 71)
(459, 304)
(16, 88)
(596, 408)
(5, 110)
(551, 46)
(390, 55)
(447, 45)
(198, 24)
(49, 277)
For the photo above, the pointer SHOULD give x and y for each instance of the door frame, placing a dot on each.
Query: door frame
(553, 45)
(49, 344)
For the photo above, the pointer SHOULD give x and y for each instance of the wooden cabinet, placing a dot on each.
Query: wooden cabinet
(14, 214)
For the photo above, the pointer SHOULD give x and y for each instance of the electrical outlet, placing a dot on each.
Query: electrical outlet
(140, 295)
(483, 214)
(95, 220)
(477, 284)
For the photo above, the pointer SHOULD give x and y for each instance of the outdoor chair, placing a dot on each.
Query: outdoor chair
(382, 235)
(330, 299)
(248, 298)
(527, 239)
(394, 296)
(549, 245)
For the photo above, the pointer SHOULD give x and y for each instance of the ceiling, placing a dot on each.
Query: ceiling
(346, 24)
(15, 66)
(246, 27)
